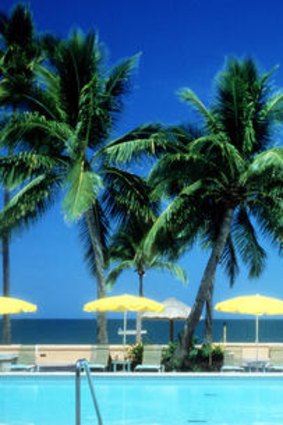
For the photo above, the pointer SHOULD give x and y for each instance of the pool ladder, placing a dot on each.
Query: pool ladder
(82, 364)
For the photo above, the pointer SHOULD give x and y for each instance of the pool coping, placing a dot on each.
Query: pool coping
(148, 374)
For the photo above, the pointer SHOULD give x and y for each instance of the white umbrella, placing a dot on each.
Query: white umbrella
(173, 310)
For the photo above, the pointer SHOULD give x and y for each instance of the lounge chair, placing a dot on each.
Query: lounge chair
(151, 361)
(99, 358)
(276, 360)
(255, 358)
(232, 361)
(26, 360)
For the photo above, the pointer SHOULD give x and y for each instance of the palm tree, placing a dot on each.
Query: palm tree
(225, 184)
(127, 251)
(59, 147)
(232, 176)
(18, 55)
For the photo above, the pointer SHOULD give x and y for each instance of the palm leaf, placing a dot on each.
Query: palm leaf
(29, 204)
(190, 97)
(171, 215)
(126, 195)
(268, 161)
(82, 190)
(144, 140)
(174, 269)
(229, 261)
(273, 108)
(23, 126)
(103, 225)
(249, 248)
(117, 84)
(115, 273)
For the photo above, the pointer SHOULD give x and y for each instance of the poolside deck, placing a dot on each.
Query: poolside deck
(56, 354)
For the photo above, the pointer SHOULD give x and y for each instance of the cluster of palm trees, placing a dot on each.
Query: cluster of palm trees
(219, 183)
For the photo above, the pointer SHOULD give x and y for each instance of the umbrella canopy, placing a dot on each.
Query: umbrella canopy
(10, 305)
(173, 310)
(123, 303)
(256, 305)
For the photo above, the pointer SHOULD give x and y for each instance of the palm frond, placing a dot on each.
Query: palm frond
(115, 273)
(229, 261)
(19, 28)
(117, 84)
(273, 108)
(171, 216)
(76, 61)
(127, 195)
(174, 269)
(103, 225)
(252, 254)
(82, 187)
(144, 140)
(22, 126)
(269, 161)
(93, 121)
(268, 211)
(190, 97)
(124, 243)
(29, 204)
(17, 168)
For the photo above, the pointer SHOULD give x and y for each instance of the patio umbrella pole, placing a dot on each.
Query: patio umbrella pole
(123, 303)
(124, 334)
(256, 336)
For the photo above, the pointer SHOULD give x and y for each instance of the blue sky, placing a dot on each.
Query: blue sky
(182, 43)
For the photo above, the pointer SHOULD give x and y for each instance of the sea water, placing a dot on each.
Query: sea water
(52, 331)
(136, 400)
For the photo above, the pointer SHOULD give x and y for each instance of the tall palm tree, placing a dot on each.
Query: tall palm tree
(225, 185)
(18, 55)
(59, 147)
(232, 175)
(127, 251)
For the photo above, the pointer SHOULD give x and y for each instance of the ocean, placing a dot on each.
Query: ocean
(73, 331)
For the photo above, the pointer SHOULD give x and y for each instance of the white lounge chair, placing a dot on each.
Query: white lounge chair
(151, 361)
(276, 360)
(99, 359)
(26, 360)
(232, 361)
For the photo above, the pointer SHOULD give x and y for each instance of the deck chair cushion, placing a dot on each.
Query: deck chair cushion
(26, 360)
(99, 357)
(152, 357)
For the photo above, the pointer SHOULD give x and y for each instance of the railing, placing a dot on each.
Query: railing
(82, 364)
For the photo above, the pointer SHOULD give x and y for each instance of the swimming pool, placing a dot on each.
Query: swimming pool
(143, 400)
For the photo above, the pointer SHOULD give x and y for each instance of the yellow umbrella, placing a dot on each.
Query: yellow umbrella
(257, 305)
(124, 303)
(10, 305)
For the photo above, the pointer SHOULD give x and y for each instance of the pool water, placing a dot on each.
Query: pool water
(46, 400)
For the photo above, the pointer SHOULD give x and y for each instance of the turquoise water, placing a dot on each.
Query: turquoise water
(144, 400)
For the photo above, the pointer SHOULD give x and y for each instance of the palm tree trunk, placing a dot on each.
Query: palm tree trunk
(139, 320)
(6, 334)
(204, 288)
(208, 330)
(102, 336)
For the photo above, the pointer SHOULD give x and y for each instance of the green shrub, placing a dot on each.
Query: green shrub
(204, 358)
(167, 357)
(135, 353)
